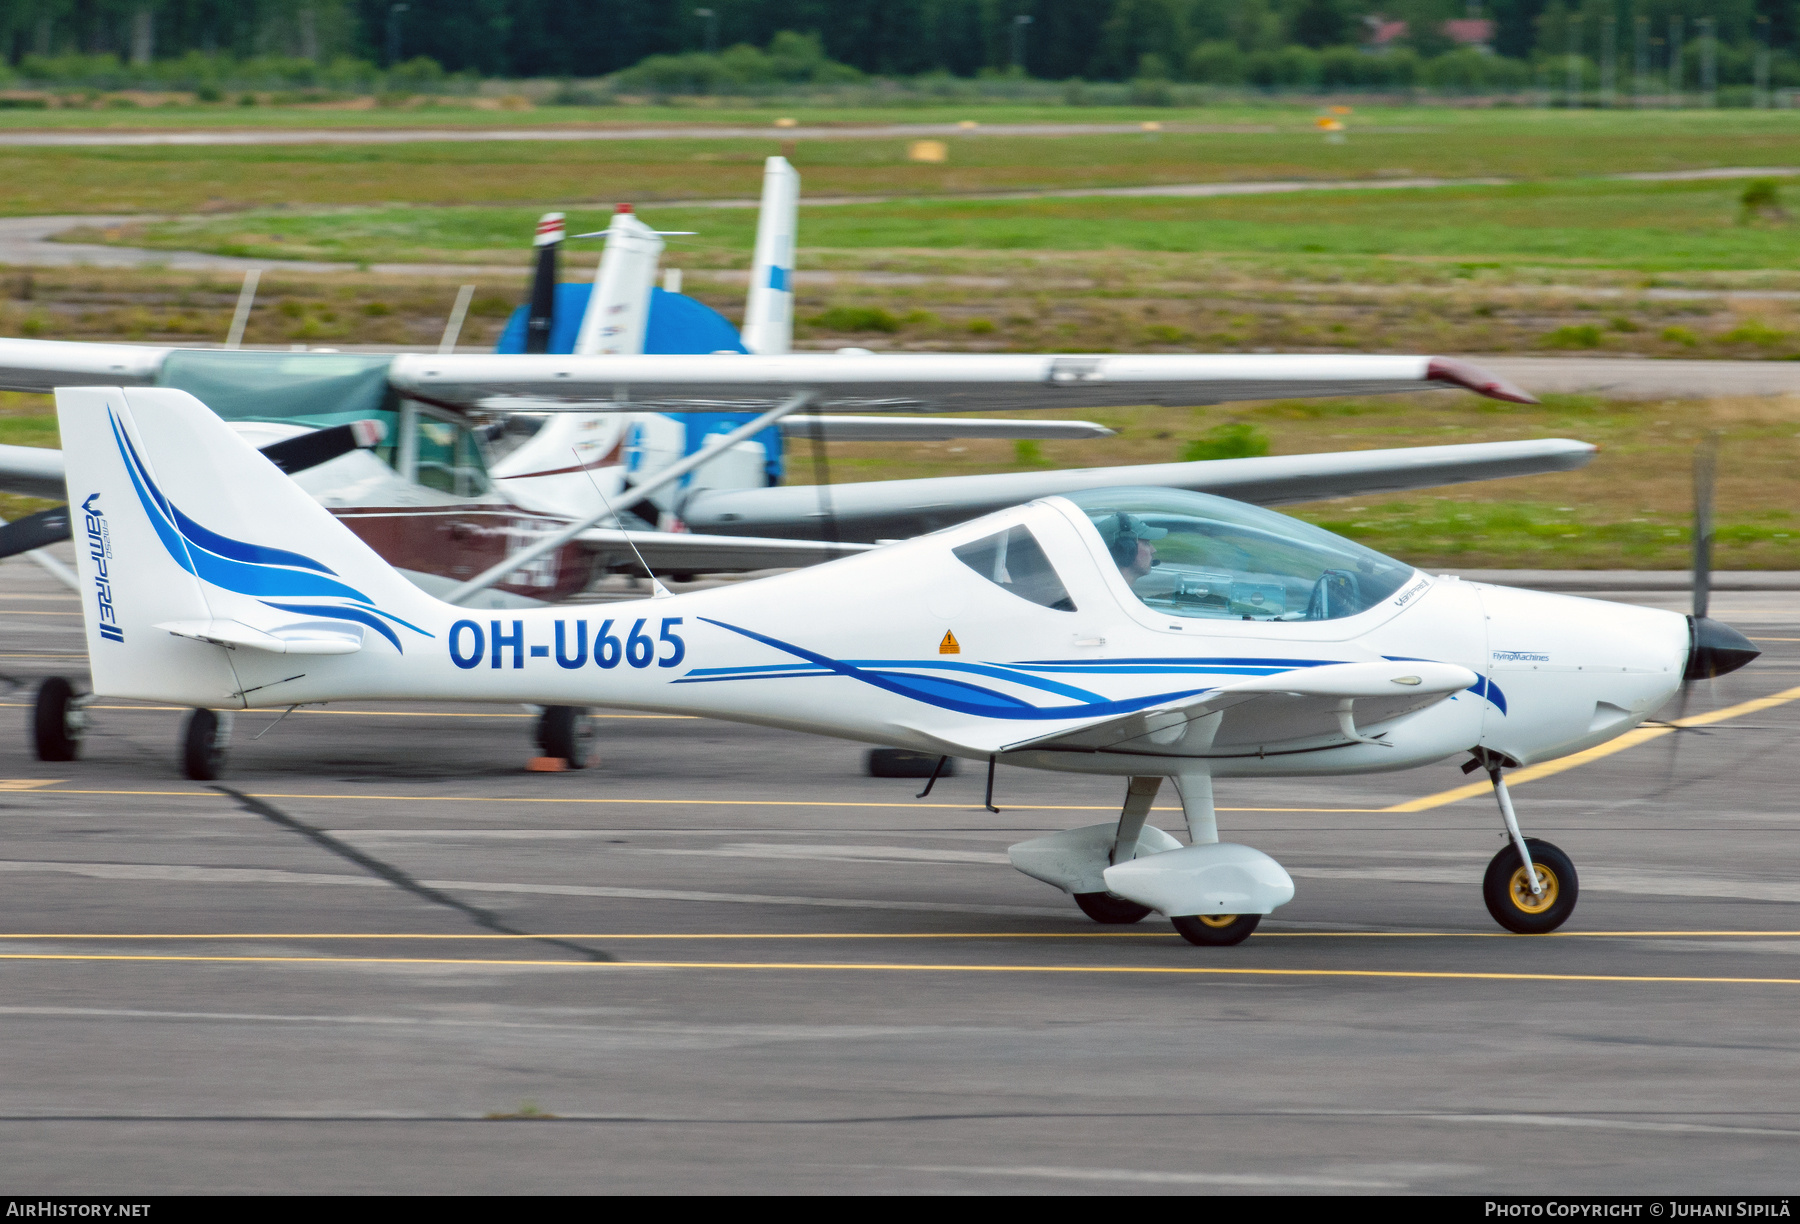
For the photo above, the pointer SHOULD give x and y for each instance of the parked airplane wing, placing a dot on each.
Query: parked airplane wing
(31, 471)
(670, 552)
(886, 428)
(896, 509)
(43, 365)
(915, 382)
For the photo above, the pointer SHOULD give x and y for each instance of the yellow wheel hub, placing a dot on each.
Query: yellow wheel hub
(1520, 889)
(1218, 920)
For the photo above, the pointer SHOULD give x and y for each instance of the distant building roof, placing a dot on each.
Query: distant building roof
(1469, 31)
(1384, 33)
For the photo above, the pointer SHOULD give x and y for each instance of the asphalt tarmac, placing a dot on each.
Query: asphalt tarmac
(382, 957)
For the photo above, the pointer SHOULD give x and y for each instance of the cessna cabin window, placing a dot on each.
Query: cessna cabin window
(449, 457)
(1193, 555)
(1014, 560)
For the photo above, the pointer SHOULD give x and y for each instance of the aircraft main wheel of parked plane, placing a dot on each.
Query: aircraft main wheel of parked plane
(567, 732)
(1110, 910)
(205, 735)
(58, 720)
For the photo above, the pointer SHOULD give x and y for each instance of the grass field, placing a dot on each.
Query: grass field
(1633, 226)
(1514, 144)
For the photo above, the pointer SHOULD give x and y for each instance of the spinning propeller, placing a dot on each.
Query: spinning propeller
(1716, 649)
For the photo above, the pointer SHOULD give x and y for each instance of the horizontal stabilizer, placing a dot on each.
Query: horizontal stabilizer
(1316, 706)
(296, 638)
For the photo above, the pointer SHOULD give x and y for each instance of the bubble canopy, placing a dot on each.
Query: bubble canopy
(1195, 555)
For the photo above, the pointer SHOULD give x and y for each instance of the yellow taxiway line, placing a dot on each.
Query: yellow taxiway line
(1630, 739)
(903, 967)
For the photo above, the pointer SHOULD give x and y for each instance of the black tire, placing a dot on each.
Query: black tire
(57, 722)
(905, 763)
(203, 738)
(1111, 910)
(1507, 894)
(567, 732)
(1216, 930)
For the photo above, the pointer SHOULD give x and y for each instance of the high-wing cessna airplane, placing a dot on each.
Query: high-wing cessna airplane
(691, 440)
(1139, 632)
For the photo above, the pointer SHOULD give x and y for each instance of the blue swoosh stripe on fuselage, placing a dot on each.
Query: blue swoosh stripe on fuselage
(154, 510)
(238, 550)
(245, 578)
(936, 691)
(899, 666)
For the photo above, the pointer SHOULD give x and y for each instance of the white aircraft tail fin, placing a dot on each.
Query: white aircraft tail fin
(188, 540)
(769, 311)
(620, 307)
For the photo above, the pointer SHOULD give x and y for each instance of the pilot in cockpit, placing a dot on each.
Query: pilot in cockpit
(1128, 541)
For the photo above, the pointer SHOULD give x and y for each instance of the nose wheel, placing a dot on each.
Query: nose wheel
(1507, 888)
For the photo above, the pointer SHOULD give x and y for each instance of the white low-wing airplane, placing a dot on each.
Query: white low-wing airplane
(1148, 633)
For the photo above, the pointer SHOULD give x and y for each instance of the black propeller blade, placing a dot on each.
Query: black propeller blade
(323, 445)
(540, 319)
(34, 531)
(294, 455)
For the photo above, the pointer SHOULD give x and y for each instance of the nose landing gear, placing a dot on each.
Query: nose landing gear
(1530, 887)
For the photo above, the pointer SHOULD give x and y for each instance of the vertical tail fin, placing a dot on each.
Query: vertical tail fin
(616, 314)
(769, 311)
(188, 540)
(540, 320)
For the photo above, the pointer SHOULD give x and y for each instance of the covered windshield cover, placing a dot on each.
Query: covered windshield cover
(1194, 555)
(310, 389)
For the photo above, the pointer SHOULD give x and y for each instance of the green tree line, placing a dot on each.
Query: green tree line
(1229, 41)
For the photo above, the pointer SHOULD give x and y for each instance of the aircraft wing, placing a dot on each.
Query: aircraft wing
(932, 429)
(897, 509)
(683, 552)
(902, 382)
(1305, 707)
(44, 365)
(32, 471)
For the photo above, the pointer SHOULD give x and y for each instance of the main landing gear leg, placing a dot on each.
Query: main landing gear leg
(1530, 887)
(1103, 906)
(1207, 930)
